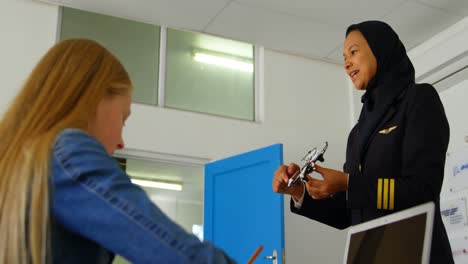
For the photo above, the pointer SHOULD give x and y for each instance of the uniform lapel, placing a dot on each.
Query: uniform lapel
(388, 116)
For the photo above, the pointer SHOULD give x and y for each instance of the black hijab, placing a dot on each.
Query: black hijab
(395, 73)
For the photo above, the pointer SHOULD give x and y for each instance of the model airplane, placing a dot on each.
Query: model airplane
(309, 166)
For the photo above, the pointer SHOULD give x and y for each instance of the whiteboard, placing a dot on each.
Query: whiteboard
(457, 168)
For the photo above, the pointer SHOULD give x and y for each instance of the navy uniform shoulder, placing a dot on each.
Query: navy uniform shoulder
(423, 99)
(425, 88)
(423, 92)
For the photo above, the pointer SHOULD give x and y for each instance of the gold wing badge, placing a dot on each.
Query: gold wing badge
(387, 130)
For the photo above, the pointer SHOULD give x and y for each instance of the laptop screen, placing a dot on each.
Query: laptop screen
(401, 241)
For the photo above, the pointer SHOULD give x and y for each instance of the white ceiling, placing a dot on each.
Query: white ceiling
(308, 28)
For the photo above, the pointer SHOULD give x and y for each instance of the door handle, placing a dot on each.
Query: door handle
(273, 257)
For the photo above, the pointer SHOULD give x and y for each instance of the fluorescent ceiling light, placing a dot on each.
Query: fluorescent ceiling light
(223, 61)
(158, 184)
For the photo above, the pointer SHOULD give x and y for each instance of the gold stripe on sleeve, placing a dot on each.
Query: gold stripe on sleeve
(385, 194)
(379, 194)
(392, 194)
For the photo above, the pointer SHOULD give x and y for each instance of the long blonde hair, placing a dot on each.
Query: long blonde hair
(62, 91)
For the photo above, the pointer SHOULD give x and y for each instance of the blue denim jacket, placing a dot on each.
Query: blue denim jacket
(96, 211)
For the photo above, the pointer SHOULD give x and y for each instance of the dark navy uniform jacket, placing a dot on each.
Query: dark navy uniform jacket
(402, 166)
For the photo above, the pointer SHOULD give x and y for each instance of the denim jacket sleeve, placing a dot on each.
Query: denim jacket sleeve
(94, 198)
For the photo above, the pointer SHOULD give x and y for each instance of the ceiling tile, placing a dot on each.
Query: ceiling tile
(309, 28)
(416, 23)
(459, 7)
(334, 12)
(276, 31)
(192, 15)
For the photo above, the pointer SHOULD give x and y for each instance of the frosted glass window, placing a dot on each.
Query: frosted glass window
(184, 207)
(136, 44)
(209, 74)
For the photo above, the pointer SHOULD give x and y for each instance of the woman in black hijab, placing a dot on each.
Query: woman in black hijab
(395, 155)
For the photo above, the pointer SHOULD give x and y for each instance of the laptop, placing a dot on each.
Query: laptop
(402, 237)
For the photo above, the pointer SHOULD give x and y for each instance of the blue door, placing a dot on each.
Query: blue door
(241, 210)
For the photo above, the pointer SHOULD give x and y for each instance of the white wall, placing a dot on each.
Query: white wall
(306, 102)
(27, 31)
(442, 54)
(294, 88)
